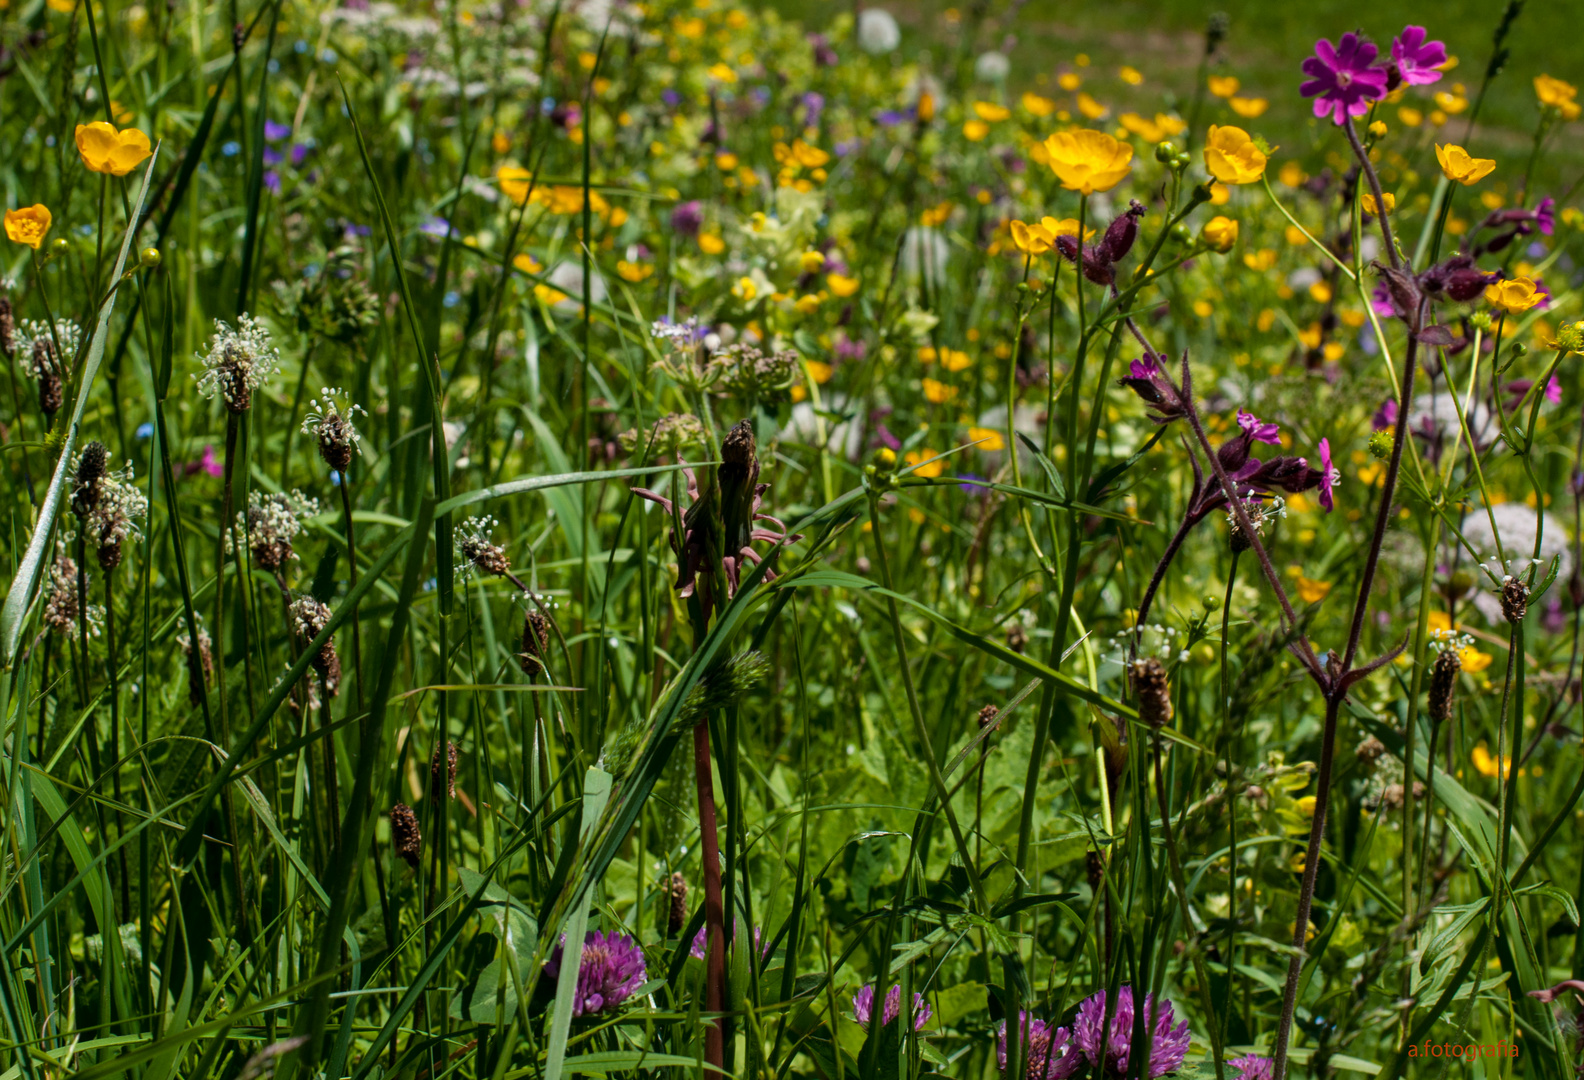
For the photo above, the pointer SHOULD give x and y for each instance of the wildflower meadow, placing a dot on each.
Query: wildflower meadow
(580, 538)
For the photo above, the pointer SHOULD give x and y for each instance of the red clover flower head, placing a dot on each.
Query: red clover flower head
(1168, 1044)
(1253, 1067)
(611, 969)
(1341, 78)
(863, 1006)
(1051, 1053)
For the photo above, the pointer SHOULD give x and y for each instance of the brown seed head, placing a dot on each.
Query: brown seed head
(7, 328)
(1443, 682)
(1017, 637)
(676, 912)
(1154, 692)
(442, 772)
(335, 443)
(1514, 600)
(200, 665)
(92, 465)
(1369, 751)
(404, 833)
(535, 643)
(989, 716)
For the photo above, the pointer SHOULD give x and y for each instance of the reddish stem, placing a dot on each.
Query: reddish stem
(714, 909)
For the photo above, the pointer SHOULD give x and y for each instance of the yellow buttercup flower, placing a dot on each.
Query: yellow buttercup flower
(711, 244)
(1032, 239)
(1487, 763)
(1090, 107)
(990, 112)
(1558, 95)
(1232, 157)
(106, 150)
(1224, 86)
(1514, 295)
(1249, 107)
(1088, 161)
(1065, 227)
(1311, 591)
(974, 130)
(1162, 127)
(28, 225)
(632, 271)
(1221, 233)
(1038, 106)
(841, 285)
(807, 304)
(514, 182)
(527, 263)
(745, 290)
(811, 262)
(1459, 165)
(914, 457)
(1368, 200)
(988, 439)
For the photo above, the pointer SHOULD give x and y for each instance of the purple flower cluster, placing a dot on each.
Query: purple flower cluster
(1168, 1044)
(1051, 1055)
(1057, 1053)
(863, 1007)
(1253, 1067)
(697, 949)
(612, 968)
(1344, 79)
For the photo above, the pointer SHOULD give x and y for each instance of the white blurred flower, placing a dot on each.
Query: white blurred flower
(1516, 524)
(878, 32)
(992, 67)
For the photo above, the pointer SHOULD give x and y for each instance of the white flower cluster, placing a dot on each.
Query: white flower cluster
(239, 361)
(330, 419)
(34, 330)
(274, 519)
(1449, 641)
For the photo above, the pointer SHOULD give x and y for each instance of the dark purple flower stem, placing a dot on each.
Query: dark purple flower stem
(714, 909)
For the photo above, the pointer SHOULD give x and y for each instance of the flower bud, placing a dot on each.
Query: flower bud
(1514, 600)
(60, 247)
(149, 258)
(1165, 152)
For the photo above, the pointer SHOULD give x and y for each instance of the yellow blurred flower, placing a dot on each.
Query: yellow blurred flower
(1130, 75)
(1368, 201)
(1249, 107)
(990, 112)
(500, 142)
(726, 161)
(514, 182)
(633, 272)
(722, 73)
(1409, 116)
(955, 360)
(1162, 127)
(1311, 591)
(1232, 157)
(1090, 107)
(938, 392)
(745, 290)
(1065, 227)
(811, 262)
(1069, 81)
(988, 439)
(1558, 95)
(819, 372)
(1038, 106)
(1486, 763)
(547, 295)
(807, 304)
(1224, 86)
(1031, 239)
(1457, 164)
(527, 263)
(106, 150)
(1514, 295)
(711, 244)
(914, 457)
(1220, 233)
(28, 225)
(1088, 161)
(841, 285)
(974, 130)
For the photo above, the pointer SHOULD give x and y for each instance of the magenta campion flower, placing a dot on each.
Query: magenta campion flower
(1168, 1044)
(1342, 78)
(863, 1006)
(1417, 60)
(612, 968)
(1253, 1067)
(1330, 476)
(1545, 216)
(1385, 416)
(1259, 430)
(1051, 1054)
